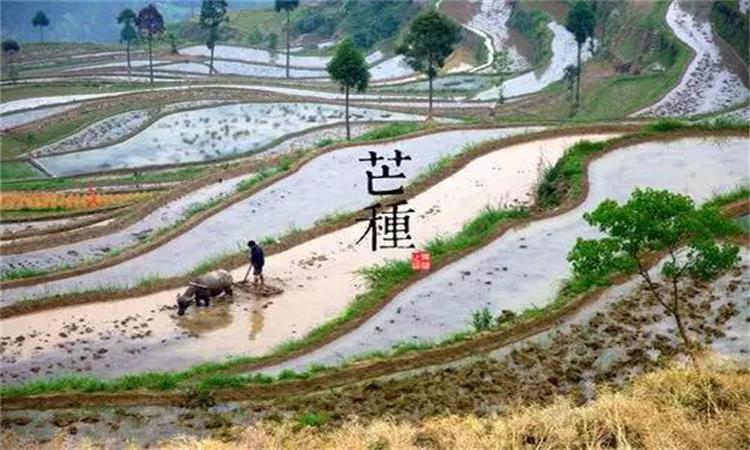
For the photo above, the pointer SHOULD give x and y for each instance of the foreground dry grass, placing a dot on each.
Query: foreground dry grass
(673, 408)
(668, 409)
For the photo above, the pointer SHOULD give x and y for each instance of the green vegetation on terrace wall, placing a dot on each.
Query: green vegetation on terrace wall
(532, 24)
(15, 170)
(367, 22)
(638, 33)
(732, 25)
(605, 92)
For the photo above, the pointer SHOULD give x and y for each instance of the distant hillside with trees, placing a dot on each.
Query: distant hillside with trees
(92, 20)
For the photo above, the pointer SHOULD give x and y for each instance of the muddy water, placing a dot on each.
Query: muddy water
(328, 184)
(82, 251)
(526, 266)
(255, 55)
(88, 250)
(22, 118)
(206, 134)
(7, 229)
(319, 278)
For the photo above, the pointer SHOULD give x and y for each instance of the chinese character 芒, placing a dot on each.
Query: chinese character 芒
(385, 172)
(389, 228)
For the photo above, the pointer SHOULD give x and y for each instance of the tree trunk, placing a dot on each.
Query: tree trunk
(150, 60)
(128, 53)
(41, 34)
(287, 43)
(578, 78)
(211, 64)
(689, 345)
(348, 133)
(429, 111)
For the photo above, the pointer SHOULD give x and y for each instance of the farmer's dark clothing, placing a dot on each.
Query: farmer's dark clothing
(257, 259)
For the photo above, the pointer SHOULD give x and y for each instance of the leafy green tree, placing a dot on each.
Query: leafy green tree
(10, 48)
(428, 43)
(213, 13)
(287, 6)
(40, 20)
(151, 23)
(581, 22)
(501, 64)
(654, 221)
(349, 69)
(128, 35)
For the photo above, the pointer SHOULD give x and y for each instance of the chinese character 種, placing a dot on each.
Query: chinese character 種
(390, 228)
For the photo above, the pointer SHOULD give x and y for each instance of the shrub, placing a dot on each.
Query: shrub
(482, 320)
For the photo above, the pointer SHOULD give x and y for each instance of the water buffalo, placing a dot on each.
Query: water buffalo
(204, 287)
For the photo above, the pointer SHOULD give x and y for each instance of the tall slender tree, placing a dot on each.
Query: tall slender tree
(40, 20)
(287, 6)
(428, 43)
(213, 13)
(10, 48)
(150, 23)
(581, 22)
(127, 34)
(349, 69)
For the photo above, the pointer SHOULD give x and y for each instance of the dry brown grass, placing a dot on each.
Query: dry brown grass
(674, 408)
(669, 409)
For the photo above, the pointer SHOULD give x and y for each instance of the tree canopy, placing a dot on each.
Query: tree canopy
(40, 19)
(428, 43)
(285, 5)
(128, 33)
(348, 66)
(213, 13)
(126, 16)
(581, 21)
(650, 222)
(10, 46)
(150, 21)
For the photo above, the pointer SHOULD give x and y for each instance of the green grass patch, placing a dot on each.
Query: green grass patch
(16, 169)
(389, 131)
(565, 178)
(17, 274)
(312, 419)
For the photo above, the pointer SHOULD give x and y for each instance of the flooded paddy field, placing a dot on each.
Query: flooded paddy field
(568, 359)
(526, 266)
(707, 85)
(121, 191)
(319, 276)
(564, 51)
(266, 213)
(206, 134)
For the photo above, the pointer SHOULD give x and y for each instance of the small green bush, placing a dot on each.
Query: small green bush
(312, 419)
(482, 320)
